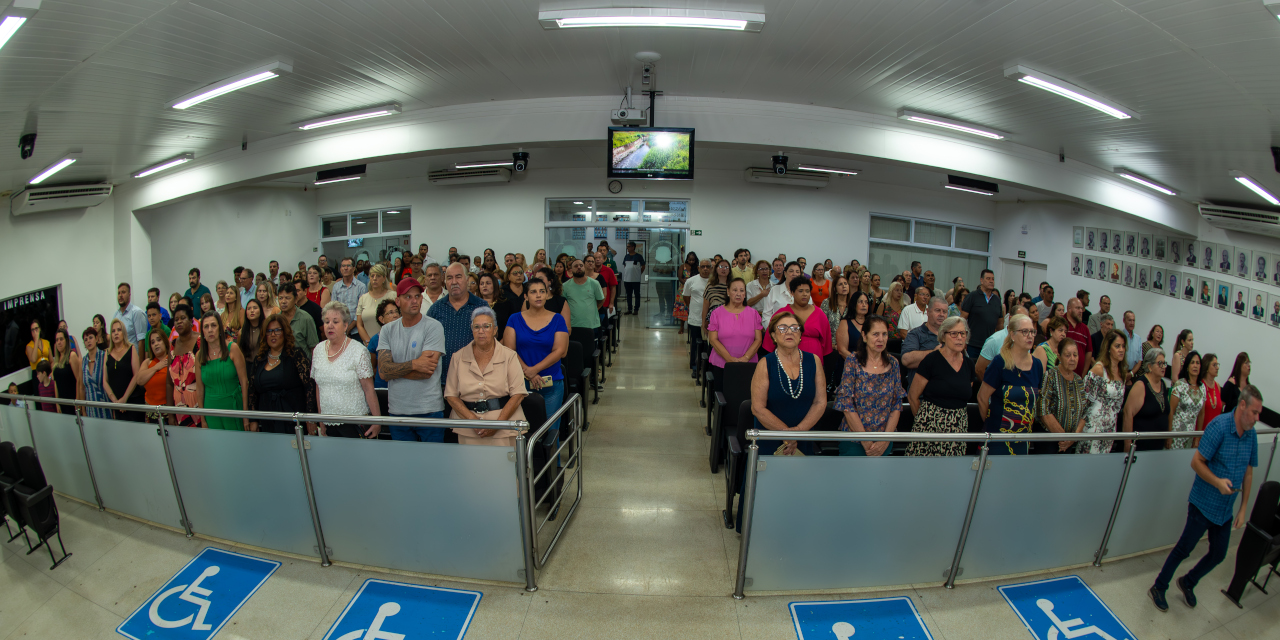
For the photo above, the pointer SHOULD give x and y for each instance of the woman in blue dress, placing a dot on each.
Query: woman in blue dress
(93, 372)
(1007, 399)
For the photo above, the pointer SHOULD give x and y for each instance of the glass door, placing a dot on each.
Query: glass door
(663, 251)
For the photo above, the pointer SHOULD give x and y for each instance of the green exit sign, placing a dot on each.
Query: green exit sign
(697, 232)
(1022, 254)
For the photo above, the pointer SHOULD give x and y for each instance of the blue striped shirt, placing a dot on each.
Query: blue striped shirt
(1228, 455)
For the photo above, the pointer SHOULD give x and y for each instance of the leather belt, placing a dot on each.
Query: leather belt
(492, 404)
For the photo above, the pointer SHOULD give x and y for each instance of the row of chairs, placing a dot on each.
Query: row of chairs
(26, 500)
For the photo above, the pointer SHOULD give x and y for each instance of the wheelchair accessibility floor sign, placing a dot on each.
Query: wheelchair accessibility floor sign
(871, 619)
(1064, 609)
(200, 598)
(384, 610)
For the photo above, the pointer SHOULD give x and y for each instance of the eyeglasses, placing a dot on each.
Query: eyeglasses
(959, 334)
(275, 331)
(1162, 364)
(790, 328)
(482, 327)
(1025, 332)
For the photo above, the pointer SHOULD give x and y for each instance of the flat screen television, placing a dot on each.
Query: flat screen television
(650, 153)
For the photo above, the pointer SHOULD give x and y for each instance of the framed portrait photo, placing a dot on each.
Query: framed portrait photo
(1175, 250)
(1240, 300)
(1144, 277)
(1158, 282)
(1173, 283)
(1261, 266)
(1104, 267)
(1144, 246)
(1114, 270)
(1243, 259)
(1273, 310)
(1077, 264)
(1090, 267)
(1116, 242)
(1131, 244)
(1192, 259)
(1104, 240)
(1160, 248)
(1129, 271)
(1077, 237)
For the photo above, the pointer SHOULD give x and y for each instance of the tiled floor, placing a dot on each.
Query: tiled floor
(647, 556)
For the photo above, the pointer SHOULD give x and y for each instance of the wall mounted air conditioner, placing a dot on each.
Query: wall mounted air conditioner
(793, 177)
(470, 176)
(75, 196)
(1264, 223)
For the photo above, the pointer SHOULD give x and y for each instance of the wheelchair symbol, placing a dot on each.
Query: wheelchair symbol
(1065, 626)
(189, 594)
(375, 632)
(843, 630)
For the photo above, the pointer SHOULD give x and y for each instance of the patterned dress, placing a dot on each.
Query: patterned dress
(832, 318)
(93, 374)
(182, 370)
(1063, 399)
(1190, 402)
(1106, 397)
(873, 396)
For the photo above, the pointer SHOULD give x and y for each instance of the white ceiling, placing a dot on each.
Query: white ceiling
(1200, 72)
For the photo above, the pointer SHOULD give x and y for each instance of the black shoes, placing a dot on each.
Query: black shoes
(1157, 597)
(1186, 591)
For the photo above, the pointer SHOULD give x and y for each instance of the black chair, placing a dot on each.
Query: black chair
(833, 367)
(35, 496)
(576, 376)
(736, 461)
(535, 412)
(736, 388)
(830, 421)
(1260, 544)
(10, 476)
(384, 404)
(590, 357)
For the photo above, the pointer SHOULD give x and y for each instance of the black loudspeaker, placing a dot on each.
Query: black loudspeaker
(1275, 157)
(780, 165)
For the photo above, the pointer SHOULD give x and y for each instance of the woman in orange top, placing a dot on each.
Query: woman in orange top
(819, 284)
(154, 377)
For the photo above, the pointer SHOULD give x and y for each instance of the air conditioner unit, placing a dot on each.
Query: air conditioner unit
(1264, 223)
(75, 196)
(793, 177)
(470, 176)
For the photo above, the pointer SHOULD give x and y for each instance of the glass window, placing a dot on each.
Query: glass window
(364, 223)
(333, 226)
(891, 229)
(395, 220)
(568, 210)
(890, 259)
(933, 233)
(973, 239)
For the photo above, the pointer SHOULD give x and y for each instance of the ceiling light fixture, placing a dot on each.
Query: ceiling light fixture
(62, 163)
(251, 77)
(1244, 179)
(954, 125)
(636, 17)
(1069, 91)
(1144, 181)
(15, 16)
(167, 164)
(969, 190)
(1273, 6)
(349, 116)
(483, 163)
(814, 167)
(333, 180)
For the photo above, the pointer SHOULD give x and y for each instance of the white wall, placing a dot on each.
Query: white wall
(1048, 240)
(216, 233)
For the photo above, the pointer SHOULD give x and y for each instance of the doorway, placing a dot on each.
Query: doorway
(1022, 276)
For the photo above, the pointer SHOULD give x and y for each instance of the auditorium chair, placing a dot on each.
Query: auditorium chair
(576, 376)
(736, 388)
(35, 497)
(10, 476)
(1259, 546)
(590, 357)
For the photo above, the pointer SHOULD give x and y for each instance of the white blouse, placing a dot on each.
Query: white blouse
(338, 382)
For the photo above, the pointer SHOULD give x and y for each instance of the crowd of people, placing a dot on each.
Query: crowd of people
(458, 339)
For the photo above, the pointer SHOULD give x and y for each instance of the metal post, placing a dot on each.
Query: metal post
(1271, 459)
(30, 429)
(968, 516)
(311, 494)
(748, 510)
(525, 494)
(173, 476)
(1115, 509)
(85, 445)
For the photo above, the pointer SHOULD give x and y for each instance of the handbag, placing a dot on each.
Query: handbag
(782, 447)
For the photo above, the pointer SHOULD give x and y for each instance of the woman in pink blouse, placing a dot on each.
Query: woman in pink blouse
(734, 332)
(816, 338)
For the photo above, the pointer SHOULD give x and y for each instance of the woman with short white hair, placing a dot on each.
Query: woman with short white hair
(485, 382)
(939, 394)
(344, 376)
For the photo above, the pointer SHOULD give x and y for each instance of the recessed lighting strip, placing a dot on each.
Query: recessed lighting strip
(814, 167)
(969, 190)
(1244, 179)
(350, 116)
(1144, 181)
(14, 16)
(1070, 91)
(483, 163)
(61, 164)
(660, 18)
(954, 125)
(167, 164)
(333, 180)
(236, 82)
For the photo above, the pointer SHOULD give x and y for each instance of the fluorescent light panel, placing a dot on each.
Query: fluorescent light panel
(814, 167)
(9, 27)
(350, 116)
(1253, 186)
(968, 190)
(62, 163)
(1144, 181)
(223, 87)
(167, 164)
(483, 163)
(333, 180)
(954, 125)
(14, 16)
(660, 18)
(1273, 6)
(1069, 91)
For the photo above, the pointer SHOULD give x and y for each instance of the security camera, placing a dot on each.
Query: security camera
(780, 165)
(520, 160)
(27, 145)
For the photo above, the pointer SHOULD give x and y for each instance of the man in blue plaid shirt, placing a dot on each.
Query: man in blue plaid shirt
(1224, 465)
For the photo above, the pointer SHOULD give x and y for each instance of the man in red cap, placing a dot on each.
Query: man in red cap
(409, 350)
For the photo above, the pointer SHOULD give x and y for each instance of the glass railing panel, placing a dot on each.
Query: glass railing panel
(62, 454)
(13, 426)
(129, 465)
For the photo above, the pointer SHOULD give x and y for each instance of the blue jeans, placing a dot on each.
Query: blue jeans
(553, 398)
(1197, 525)
(419, 434)
(852, 448)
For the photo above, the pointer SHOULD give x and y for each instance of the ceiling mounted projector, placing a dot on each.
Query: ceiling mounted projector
(630, 116)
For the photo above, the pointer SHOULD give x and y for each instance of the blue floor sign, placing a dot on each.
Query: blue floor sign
(383, 610)
(1063, 609)
(200, 598)
(874, 619)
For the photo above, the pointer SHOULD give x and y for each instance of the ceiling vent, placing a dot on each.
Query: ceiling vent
(793, 177)
(1264, 223)
(470, 176)
(73, 196)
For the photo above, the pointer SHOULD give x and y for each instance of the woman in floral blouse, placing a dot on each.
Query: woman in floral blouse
(870, 393)
(1104, 389)
(1186, 411)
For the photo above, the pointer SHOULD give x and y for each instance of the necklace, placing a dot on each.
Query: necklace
(798, 389)
(333, 356)
(273, 356)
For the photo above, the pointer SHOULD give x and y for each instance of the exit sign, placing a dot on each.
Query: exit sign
(697, 232)
(1022, 254)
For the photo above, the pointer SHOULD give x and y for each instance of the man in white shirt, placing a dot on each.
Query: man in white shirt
(632, 275)
(694, 288)
(918, 313)
(273, 275)
(780, 294)
(248, 288)
(1045, 306)
(433, 283)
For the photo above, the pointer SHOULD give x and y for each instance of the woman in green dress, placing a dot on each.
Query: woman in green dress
(220, 375)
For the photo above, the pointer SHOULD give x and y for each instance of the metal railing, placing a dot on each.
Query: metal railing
(747, 505)
(525, 476)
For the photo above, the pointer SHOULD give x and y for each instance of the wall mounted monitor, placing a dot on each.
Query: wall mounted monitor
(650, 153)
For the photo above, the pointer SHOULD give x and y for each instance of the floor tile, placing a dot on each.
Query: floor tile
(24, 591)
(560, 615)
(88, 535)
(306, 590)
(971, 612)
(1123, 586)
(68, 615)
(1262, 621)
(621, 480)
